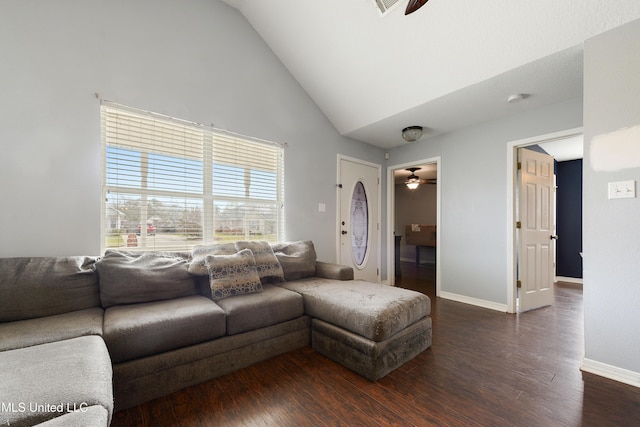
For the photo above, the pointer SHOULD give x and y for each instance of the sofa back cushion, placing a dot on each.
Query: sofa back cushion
(298, 259)
(33, 287)
(135, 277)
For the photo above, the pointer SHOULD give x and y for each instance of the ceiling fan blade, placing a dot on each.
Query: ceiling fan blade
(424, 181)
(414, 5)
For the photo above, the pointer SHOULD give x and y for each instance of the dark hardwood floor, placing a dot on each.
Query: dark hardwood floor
(485, 368)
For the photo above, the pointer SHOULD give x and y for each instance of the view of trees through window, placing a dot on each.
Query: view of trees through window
(170, 185)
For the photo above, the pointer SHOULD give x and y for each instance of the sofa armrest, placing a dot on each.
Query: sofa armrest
(329, 270)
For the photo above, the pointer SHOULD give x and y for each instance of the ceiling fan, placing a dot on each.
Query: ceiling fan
(414, 5)
(413, 180)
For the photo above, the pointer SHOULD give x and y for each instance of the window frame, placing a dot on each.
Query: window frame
(213, 140)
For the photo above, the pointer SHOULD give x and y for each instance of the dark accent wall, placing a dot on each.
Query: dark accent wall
(569, 219)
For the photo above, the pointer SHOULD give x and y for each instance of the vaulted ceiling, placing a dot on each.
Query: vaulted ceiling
(451, 64)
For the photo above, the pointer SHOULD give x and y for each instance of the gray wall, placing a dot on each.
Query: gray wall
(473, 241)
(196, 59)
(611, 231)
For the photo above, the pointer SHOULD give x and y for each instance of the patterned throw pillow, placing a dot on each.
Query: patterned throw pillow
(269, 268)
(197, 266)
(231, 275)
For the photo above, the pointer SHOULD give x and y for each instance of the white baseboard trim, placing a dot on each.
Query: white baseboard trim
(611, 372)
(568, 279)
(474, 301)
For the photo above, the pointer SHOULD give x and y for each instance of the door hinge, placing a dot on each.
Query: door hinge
(519, 284)
(518, 224)
(339, 185)
(377, 271)
(519, 165)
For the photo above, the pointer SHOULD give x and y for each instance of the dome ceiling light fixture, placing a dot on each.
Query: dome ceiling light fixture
(516, 97)
(412, 181)
(412, 133)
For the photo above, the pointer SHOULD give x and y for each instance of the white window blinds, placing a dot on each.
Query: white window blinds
(170, 184)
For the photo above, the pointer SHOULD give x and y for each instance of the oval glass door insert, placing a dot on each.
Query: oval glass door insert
(359, 224)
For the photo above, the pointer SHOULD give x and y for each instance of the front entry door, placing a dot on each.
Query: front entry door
(359, 229)
(536, 193)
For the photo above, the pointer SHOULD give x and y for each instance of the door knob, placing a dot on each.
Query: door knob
(344, 232)
(554, 237)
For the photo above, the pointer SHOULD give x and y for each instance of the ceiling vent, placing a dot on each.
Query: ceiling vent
(385, 6)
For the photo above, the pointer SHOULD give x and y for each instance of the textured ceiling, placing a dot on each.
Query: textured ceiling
(451, 64)
(571, 148)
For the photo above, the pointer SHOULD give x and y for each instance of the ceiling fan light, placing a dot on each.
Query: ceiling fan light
(412, 133)
(412, 183)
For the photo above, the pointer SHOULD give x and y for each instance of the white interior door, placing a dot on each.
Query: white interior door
(359, 222)
(536, 229)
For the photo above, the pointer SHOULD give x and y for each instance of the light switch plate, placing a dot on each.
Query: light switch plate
(622, 190)
(322, 207)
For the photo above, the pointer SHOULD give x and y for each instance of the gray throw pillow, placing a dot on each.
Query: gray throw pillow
(231, 275)
(197, 266)
(134, 277)
(267, 264)
(298, 259)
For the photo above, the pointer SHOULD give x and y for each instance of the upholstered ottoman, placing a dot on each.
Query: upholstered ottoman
(70, 379)
(370, 328)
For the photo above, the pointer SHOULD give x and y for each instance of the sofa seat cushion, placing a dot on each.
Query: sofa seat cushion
(253, 311)
(138, 330)
(372, 310)
(25, 333)
(51, 379)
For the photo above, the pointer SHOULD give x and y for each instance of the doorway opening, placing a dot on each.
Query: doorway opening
(413, 217)
(512, 204)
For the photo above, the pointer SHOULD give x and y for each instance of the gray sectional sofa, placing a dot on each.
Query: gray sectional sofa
(81, 337)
